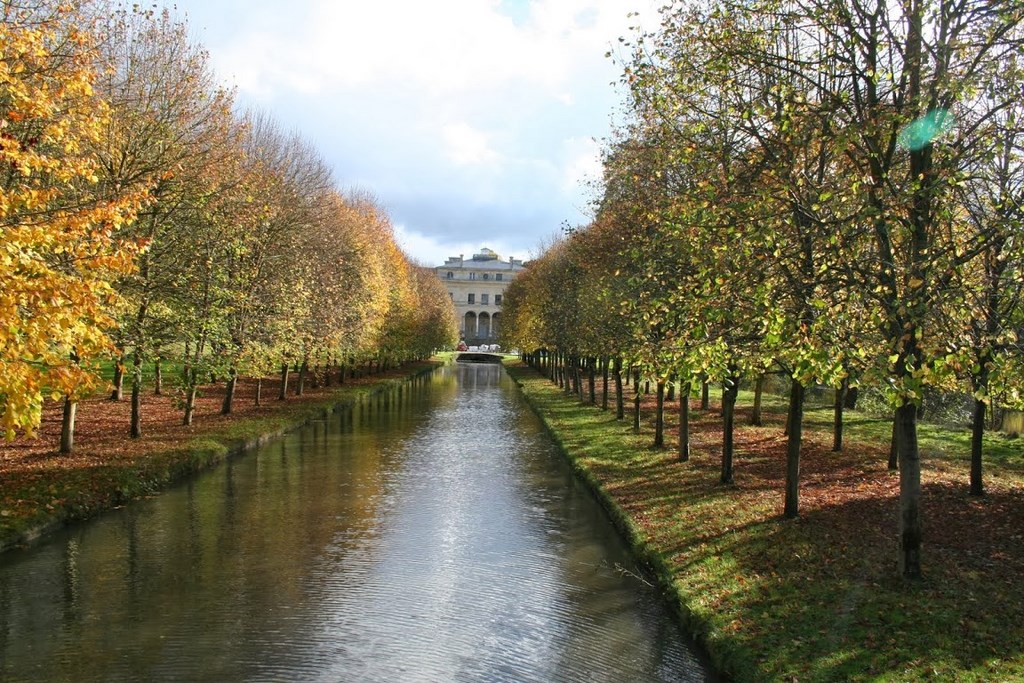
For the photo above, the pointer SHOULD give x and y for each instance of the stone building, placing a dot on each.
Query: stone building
(476, 286)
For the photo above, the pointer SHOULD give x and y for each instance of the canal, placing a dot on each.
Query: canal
(430, 533)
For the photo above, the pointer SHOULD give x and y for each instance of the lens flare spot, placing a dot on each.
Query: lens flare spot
(924, 130)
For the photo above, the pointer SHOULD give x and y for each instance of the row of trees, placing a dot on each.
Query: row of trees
(825, 187)
(143, 218)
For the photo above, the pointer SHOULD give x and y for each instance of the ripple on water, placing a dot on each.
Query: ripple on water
(432, 538)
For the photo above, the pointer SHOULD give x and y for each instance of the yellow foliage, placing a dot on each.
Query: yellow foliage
(58, 253)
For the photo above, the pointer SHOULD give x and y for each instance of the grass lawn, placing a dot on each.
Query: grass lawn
(817, 598)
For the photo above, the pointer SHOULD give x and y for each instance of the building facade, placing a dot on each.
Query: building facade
(477, 286)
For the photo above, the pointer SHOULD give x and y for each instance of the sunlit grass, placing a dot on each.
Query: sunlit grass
(817, 598)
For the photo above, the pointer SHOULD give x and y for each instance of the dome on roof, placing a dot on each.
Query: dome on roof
(485, 255)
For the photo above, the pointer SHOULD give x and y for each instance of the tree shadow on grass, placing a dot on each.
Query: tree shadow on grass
(819, 597)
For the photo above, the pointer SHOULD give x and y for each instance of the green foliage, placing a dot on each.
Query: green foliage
(824, 189)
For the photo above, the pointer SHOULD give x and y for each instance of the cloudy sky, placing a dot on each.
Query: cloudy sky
(474, 122)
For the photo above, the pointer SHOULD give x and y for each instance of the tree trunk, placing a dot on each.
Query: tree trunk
(259, 390)
(577, 380)
(636, 413)
(670, 395)
(978, 427)
(229, 392)
(684, 420)
(659, 416)
(67, 426)
(300, 386)
(190, 396)
(851, 398)
(118, 392)
(283, 393)
(604, 383)
(731, 387)
(755, 414)
(796, 420)
(136, 419)
(785, 431)
(837, 422)
(705, 395)
(592, 380)
(158, 377)
(190, 405)
(977, 435)
(924, 184)
(910, 491)
(620, 402)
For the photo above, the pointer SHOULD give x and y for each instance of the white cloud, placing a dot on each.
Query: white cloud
(467, 146)
(430, 251)
(463, 116)
(583, 165)
(440, 48)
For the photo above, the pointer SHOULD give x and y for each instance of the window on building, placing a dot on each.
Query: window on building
(487, 276)
(472, 276)
(485, 299)
(451, 295)
(450, 275)
(498, 278)
(497, 299)
(471, 299)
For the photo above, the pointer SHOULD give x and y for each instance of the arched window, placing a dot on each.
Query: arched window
(469, 326)
(450, 275)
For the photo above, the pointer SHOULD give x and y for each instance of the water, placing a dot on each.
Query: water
(430, 534)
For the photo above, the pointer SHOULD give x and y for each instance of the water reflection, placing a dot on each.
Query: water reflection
(427, 534)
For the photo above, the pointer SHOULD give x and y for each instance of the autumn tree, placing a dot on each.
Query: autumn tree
(169, 127)
(910, 69)
(893, 78)
(992, 201)
(61, 225)
(437, 326)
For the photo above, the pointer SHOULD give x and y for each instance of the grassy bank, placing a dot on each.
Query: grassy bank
(41, 489)
(817, 598)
